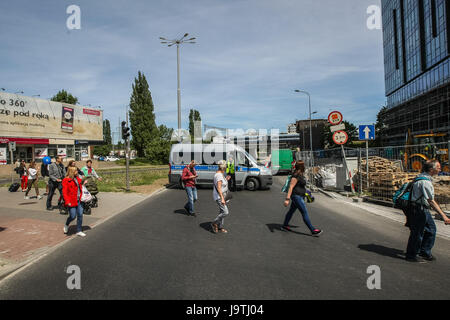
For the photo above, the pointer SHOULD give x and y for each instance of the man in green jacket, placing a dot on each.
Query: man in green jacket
(231, 173)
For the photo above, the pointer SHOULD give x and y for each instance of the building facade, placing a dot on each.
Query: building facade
(42, 128)
(416, 46)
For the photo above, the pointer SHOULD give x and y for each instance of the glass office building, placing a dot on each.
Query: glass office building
(416, 45)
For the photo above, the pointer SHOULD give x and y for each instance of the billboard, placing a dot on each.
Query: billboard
(29, 117)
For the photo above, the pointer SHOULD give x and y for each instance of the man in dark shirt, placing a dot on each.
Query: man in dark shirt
(188, 177)
(56, 172)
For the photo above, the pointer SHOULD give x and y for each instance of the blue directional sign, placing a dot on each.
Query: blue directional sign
(367, 132)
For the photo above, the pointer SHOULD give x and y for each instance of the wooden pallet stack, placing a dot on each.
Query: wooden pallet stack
(442, 192)
(385, 177)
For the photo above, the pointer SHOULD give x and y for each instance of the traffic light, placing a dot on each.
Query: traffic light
(125, 131)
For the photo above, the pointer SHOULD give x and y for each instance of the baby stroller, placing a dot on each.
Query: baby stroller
(91, 186)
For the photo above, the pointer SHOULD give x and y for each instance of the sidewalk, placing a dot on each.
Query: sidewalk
(387, 212)
(28, 230)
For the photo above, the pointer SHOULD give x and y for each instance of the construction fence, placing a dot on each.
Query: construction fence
(377, 173)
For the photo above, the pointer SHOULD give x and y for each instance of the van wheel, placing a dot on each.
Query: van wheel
(252, 184)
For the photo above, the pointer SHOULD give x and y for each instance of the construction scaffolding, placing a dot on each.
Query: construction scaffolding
(425, 114)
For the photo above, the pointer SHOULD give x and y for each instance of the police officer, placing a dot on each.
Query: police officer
(421, 223)
(231, 173)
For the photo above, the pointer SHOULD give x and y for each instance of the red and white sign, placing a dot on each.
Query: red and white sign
(340, 137)
(92, 112)
(3, 155)
(24, 140)
(335, 118)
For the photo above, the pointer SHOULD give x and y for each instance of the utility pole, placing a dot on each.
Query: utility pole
(127, 156)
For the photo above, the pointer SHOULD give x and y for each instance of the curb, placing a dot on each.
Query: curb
(23, 265)
(326, 193)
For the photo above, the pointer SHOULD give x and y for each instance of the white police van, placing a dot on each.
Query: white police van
(249, 174)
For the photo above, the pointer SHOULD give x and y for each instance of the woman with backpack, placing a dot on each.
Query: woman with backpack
(72, 188)
(296, 193)
(32, 180)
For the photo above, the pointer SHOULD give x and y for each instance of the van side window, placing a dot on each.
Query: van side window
(181, 157)
(241, 159)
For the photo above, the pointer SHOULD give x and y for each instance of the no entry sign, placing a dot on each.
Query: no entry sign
(335, 118)
(340, 137)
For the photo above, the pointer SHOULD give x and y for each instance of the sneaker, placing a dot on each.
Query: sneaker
(66, 229)
(428, 258)
(50, 209)
(317, 232)
(39, 197)
(286, 228)
(416, 260)
(26, 198)
(46, 194)
(81, 234)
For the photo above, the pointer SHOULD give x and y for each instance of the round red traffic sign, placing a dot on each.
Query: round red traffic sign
(335, 118)
(340, 137)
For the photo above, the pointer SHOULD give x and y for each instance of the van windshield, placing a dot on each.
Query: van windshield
(250, 157)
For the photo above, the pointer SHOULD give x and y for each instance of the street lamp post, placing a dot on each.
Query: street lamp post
(178, 42)
(310, 134)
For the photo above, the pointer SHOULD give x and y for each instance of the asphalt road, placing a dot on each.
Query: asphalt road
(155, 251)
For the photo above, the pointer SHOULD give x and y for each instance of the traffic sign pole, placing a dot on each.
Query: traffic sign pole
(349, 172)
(367, 163)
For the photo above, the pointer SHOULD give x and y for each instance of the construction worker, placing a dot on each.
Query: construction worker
(231, 173)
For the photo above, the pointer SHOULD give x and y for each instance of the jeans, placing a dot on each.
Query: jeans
(192, 197)
(223, 212)
(76, 212)
(53, 185)
(298, 203)
(423, 232)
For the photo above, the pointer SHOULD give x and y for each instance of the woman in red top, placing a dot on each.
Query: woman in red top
(72, 191)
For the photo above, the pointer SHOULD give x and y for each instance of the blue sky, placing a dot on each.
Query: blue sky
(249, 58)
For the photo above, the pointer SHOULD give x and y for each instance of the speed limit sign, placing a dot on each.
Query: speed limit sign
(340, 137)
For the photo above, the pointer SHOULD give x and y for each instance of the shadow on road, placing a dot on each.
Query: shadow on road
(382, 250)
(73, 229)
(27, 203)
(277, 227)
(181, 211)
(2, 229)
(207, 226)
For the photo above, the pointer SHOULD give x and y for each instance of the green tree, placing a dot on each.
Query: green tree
(64, 96)
(351, 130)
(380, 128)
(194, 115)
(158, 150)
(142, 116)
(106, 148)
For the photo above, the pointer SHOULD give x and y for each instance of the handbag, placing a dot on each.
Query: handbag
(86, 196)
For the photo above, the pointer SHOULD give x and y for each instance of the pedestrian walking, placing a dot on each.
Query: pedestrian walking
(296, 193)
(57, 173)
(231, 172)
(32, 180)
(188, 177)
(23, 174)
(88, 171)
(421, 224)
(72, 191)
(44, 174)
(73, 163)
(219, 194)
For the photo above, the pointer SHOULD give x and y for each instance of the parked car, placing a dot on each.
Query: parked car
(101, 158)
(111, 158)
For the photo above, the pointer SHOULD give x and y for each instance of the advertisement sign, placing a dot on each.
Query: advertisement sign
(3, 155)
(29, 117)
(67, 119)
(40, 153)
(62, 152)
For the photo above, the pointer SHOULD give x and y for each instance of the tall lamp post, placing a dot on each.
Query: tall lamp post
(178, 42)
(310, 134)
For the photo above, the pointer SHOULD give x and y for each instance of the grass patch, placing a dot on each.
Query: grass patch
(117, 182)
(136, 162)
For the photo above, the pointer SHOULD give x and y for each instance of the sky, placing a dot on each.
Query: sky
(249, 58)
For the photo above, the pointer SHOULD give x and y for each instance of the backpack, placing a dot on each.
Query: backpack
(285, 188)
(44, 170)
(402, 198)
(14, 187)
